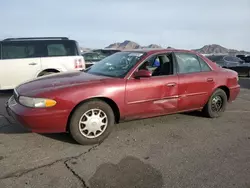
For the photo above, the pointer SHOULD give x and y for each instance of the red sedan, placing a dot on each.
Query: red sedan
(124, 86)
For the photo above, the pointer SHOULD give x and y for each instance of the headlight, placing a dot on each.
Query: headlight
(36, 102)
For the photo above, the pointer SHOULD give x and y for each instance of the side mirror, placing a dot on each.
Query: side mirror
(142, 73)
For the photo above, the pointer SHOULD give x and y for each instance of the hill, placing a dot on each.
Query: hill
(127, 44)
(217, 49)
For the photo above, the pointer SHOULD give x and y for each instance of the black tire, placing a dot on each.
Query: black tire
(208, 111)
(76, 117)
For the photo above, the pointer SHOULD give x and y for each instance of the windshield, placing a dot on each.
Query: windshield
(116, 65)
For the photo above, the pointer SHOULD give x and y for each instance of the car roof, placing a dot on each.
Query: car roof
(158, 50)
(107, 49)
(36, 39)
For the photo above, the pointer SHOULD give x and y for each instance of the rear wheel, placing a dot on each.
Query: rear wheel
(216, 104)
(92, 122)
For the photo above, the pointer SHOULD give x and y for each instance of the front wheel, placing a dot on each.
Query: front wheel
(92, 122)
(216, 104)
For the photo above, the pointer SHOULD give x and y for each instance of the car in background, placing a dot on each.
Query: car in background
(245, 58)
(106, 51)
(23, 59)
(127, 85)
(231, 62)
(92, 57)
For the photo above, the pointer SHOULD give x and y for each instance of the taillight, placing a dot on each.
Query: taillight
(78, 63)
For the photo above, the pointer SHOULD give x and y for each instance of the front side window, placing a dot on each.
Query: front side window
(159, 65)
(116, 65)
(187, 63)
(18, 51)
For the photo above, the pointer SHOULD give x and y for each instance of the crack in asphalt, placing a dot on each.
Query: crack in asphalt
(75, 174)
(20, 173)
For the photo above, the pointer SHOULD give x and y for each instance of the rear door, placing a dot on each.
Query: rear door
(20, 62)
(196, 81)
(62, 55)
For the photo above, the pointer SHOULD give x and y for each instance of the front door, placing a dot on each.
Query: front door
(156, 95)
(196, 81)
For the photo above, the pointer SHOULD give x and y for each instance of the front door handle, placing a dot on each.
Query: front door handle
(210, 80)
(171, 84)
(32, 63)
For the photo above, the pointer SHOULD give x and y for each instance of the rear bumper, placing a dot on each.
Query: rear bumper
(234, 92)
(37, 120)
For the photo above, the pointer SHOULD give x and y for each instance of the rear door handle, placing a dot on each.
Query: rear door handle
(210, 80)
(32, 63)
(171, 84)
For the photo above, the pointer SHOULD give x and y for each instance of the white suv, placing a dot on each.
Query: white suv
(23, 59)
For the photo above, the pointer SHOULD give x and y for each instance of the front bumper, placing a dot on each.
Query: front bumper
(37, 120)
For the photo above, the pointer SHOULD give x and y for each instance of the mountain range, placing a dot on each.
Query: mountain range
(207, 49)
(217, 49)
(127, 44)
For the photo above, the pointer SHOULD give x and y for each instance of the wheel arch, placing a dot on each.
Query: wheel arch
(48, 70)
(225, 89)
(109, 101)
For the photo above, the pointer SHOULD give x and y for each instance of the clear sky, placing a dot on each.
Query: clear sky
(97, 23)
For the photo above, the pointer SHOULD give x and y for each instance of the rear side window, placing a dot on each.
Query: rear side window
(19, 50)
(56, 48)
(187, 63)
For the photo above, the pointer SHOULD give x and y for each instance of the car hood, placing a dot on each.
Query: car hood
(58, 80)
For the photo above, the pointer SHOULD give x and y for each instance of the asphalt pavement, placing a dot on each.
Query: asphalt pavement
(182, 150)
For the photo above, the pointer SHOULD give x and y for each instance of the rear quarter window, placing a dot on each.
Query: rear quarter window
(62, 48)
(204, 66)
